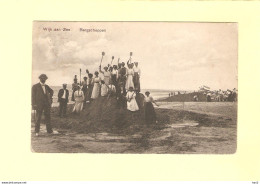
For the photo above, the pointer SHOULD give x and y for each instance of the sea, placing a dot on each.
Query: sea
(155, 93)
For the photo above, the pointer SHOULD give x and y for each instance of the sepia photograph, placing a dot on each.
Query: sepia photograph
(134, 87)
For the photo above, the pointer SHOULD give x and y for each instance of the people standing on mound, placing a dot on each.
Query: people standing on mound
(149, 112)
(63, 98)
(96, 88)
(79, 99)
(131, 101)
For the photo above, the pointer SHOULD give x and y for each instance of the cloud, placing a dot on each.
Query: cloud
(165, 51)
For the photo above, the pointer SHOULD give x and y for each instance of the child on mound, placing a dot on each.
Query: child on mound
(131, 102)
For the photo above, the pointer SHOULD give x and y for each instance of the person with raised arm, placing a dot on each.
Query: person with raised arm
(136, 78)
(129, 74)
(106, 74)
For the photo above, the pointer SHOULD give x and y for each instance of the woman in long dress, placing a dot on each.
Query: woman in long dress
(131, 102)
(149, 112)
(129, 74)
(96, 88)
(136, 78)
(107, 75)
(104, 88)
(79, 99)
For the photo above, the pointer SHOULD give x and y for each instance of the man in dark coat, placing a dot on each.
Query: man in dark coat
(41, 102)
(63, 98)
(122, 78)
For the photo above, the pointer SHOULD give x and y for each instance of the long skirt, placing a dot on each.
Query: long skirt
(129, 82)
(78, 106)
(136, 80)
(85, 90)
(72, 97)
(104, 90)
(113, 80)
(121, 85)
(107, 80)
(149, 113)
(89, 93)
(132, 105)
(96, 91)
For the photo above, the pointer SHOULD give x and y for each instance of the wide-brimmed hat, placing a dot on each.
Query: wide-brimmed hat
(43, 76)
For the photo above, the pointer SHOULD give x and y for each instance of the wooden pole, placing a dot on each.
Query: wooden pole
(80, 76)
(103, 53)
(131, 53)
(112, 60)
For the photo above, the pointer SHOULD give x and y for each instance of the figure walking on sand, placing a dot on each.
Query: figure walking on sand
(96, 88)
(131, 102)
(149, 112)
(79, 99)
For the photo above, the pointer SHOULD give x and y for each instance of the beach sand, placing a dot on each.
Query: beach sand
(195, 128)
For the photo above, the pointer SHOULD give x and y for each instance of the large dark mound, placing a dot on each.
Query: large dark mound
(105, 114)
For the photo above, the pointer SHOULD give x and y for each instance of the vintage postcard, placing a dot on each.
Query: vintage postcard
(134, 87)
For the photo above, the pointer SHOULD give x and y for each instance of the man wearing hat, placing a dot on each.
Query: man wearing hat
(63, 98)
(41, 102)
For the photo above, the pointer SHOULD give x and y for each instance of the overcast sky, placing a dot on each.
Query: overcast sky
(171, 55)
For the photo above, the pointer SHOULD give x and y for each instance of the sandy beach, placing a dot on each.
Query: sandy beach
(195, 128)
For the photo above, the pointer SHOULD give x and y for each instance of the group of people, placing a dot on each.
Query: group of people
(218, 96)
(117, 80)
(222, 96)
